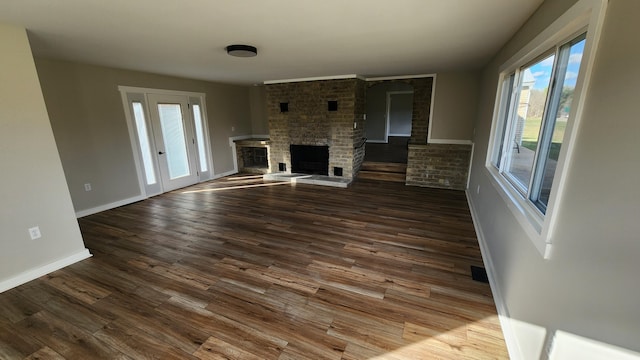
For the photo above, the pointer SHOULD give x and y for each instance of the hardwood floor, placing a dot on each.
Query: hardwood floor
(239, 269)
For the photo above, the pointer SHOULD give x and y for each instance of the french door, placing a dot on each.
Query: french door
(174, 139)
(170, 136)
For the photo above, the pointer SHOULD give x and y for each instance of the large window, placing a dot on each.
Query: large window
(539, 102)
(536, 102)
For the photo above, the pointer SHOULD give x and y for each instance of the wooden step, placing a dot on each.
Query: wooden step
(384, 167)
(382, 176)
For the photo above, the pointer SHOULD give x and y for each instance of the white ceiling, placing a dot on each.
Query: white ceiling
(295, 38)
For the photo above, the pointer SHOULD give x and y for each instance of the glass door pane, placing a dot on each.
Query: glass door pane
(173, 135)
(202, 152)
(145, 145)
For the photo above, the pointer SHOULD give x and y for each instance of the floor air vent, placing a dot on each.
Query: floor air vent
(479, 274)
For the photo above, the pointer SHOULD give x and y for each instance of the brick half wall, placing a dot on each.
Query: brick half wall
(443, 166)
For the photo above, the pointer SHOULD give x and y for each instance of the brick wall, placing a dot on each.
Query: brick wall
(438, 165)
(309, 122)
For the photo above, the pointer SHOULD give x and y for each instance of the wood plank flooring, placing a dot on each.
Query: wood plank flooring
(280, 271)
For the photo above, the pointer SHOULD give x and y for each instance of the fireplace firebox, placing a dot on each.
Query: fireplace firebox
(255, 157)
(310, 159)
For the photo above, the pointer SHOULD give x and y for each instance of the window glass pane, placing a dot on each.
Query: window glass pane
(557, 120)
(143, 139)
(534, 85)
(202, 154)
(507, 90)
(174, 142)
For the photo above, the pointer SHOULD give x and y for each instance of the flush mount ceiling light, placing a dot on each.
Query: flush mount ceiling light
(242, 50)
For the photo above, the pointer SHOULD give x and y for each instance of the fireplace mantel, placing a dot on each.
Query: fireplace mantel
(253, 142)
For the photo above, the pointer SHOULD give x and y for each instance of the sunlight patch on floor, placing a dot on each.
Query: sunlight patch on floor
(235, 187)
(250, 177)
(476, 340)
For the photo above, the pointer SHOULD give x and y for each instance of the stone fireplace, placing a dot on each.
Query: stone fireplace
(327, 114)
(331, 114)
(252, 156)
(255, 157)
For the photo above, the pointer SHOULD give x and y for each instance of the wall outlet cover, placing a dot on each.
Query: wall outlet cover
(34, 233)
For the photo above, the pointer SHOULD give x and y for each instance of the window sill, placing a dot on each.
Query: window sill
(528, 216)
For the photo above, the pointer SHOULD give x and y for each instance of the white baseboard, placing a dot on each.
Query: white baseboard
(571, 346)
(113, 205)
(513, 346)
(33, 274)
(449, 141)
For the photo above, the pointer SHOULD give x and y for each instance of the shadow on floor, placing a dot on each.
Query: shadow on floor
(394, 151)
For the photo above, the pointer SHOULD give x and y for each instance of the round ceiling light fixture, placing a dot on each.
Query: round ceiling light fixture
(242, 50)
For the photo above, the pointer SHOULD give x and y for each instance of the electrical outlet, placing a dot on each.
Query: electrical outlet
(233, 128)
(87, 187)
(34, 232)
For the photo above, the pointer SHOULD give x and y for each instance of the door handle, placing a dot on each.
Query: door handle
(160, 152)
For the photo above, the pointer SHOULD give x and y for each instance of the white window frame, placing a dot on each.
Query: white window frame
(584, 16)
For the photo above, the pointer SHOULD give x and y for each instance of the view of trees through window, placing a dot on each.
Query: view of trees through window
(536, 109)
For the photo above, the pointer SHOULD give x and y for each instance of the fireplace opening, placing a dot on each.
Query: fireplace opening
(255, 157)
(310, 159)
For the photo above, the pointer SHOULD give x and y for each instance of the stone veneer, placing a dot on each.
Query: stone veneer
(438, 165)
(309, 122)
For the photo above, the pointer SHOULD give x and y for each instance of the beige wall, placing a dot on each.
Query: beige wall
(90, 128)
(589, 286)
(33, 191)
(259, 120)
(455, 105)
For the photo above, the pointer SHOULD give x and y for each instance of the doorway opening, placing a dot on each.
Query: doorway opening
(389, 108)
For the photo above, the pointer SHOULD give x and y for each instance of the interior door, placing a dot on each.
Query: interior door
(174, 141)
(400, 113)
